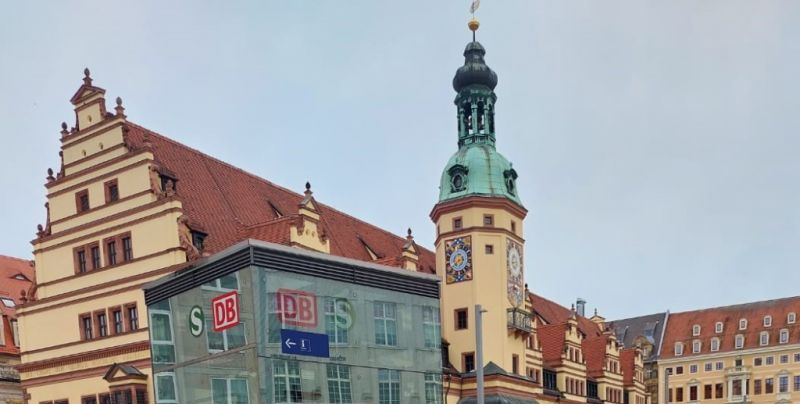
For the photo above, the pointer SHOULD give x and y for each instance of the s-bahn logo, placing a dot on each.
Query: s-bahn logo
(297, 307)
(225, 309)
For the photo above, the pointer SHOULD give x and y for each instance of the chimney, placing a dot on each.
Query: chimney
(580, 307)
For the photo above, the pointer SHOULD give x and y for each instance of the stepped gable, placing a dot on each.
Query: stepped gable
(232, 205)
(553, 313)
(679, 326)
(12, 286)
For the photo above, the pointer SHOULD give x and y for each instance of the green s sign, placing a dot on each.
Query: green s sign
(196, 321)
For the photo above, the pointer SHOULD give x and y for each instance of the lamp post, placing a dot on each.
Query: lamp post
(479, 351)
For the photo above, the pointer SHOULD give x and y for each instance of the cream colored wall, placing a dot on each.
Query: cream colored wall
(87, 144)
(75, 388)
(90, 115)
(719, 376)
(488, 288)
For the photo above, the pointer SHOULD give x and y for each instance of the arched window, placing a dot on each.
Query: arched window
(695, 330)
(763, 338)
(714, 344)
(791, 318)
(739, 341)
(718, 327)
(481, 117)
(678, 348)
(784, 337)
(767, 321)
(696, 346)
(743, 324)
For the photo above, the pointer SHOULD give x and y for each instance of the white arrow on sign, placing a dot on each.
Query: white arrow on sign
(289, 343)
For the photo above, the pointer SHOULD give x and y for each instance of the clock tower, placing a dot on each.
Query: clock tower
(479, 225)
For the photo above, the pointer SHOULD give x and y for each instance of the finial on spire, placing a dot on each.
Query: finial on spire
(473, 24)
(409, 234)
(87, 79)
(308, 189)
(119, 109)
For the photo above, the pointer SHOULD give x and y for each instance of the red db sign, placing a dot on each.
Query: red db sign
(226, 311)
(296, 307)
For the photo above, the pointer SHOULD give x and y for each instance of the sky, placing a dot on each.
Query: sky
(656, 142)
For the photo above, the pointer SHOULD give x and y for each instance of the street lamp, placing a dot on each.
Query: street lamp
(479, 351)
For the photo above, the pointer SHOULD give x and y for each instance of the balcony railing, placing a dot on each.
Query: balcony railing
(519, 320)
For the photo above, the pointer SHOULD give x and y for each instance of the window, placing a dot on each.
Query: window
(430, 326)
(166, 392)
(769, 386)
(15, 332)
(784, 358)
(707, 392)
(286, 381)
(231, 338)
(89, 400)
(338, 318)
(433, 388)
(739, 341)
(87, 332)
(80, 259)
(102, 324)
(488, 220)
(791, 318)
(709, 367)
(718, 327)
(462, 320)
(127, 249)
(692, 368)
(122, 396)
(82, 201)
(199, 240)
(718, 390)
(743, 324)
(757, 362)
(719, 365)
(551, 381)
(385, 316)
(714, 344)
(783, 384)
(763, 338)
(693, 393)
(162, 343)
(224, 283)
(133, 317)
(757, 386)
(695, 330)
(457, 223)
(797, 357)
(736, 387)
(696, 346)
(105, 398)
(678, 348)
(469, 361)
(515, 364)
(513, 226)
(737, 362)
(111, 191)
(489, 249)
(784, 336)
(767, 321)
(339, 389)
(229, 391)
(8, 302)
(797, 383)
(679, 370)
(118, 323)
(388, 386)
(679, 394)
(770, 360)
(111, 252)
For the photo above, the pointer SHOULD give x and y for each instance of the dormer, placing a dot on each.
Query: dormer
(307, 231)
(409, 256)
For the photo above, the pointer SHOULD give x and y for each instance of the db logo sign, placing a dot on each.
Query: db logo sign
(296, 307)
(226, 311)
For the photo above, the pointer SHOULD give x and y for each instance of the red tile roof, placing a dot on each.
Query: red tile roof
(11, 287)
(554, 313)
(231, 205)
(551, 339)
(627, 362)
(594, 353)
(679, 326)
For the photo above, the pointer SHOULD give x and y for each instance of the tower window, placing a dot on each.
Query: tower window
(82, 200)
(112, 191)
(513, 227)
(166, 181)
(462, 321)
(81, 260)
(489, 249)
(111, 252)
(469, 361)
(488, 220)
(95, 257)
(199, 240)
(510, 179)
(127, 249)
(458, 178)
(457, 224)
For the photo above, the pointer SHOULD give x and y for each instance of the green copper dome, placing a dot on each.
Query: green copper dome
(477, 169)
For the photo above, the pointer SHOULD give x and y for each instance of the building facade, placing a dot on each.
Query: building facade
(742, 353)
(644, 333)
(15, 282)
(310, 327)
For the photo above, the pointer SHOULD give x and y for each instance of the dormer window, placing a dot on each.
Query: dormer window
(8, 302)
(763, 338)
(458, 178)
(678, 348)
(714, 344)
(743, 324)
(168, 182)
(718, 327)
(767, 321)
(198, 239)
(511, 181)
(784, 336)
(696, 330)
(739, 341)
(21, 277)
(696, 346)
(791, 318)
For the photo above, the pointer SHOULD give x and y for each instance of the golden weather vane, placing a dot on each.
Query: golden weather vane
(473, 24)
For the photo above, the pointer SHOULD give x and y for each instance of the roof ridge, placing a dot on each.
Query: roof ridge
(259, 178)
(3, 256)
(738, 305)
(272, 221)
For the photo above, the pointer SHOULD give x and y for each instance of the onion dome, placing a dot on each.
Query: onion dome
(475, 71)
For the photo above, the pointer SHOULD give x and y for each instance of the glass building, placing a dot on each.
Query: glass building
(265, 323)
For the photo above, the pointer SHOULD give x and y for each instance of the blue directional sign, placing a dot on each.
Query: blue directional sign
(304, 343)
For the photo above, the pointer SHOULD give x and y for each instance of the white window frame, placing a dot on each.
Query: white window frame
(225, 343)
(719, 327)
(739, 340)
(8, 302)
(708, 367)
(333, 316)
(719, 365)
(171, 342)
(339, 381)
(384, 319)
(714, 344)
(784, 336)
(228, 387)
(763, 338)
(742, 323)
(434, 381)
(287, 379)
(391, 380)
(435, 323)
(767, 321)
(218, 284)
(791, 318)
(15, 332)
(697, 346)
(692, 368)
(679, 349)
(696, 330)
(174, 386)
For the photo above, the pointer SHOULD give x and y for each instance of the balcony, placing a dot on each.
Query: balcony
(519, 321)
(737, 371)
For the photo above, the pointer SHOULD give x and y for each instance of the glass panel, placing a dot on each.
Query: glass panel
(165, 386)
(161, 327)
(219, 389)
(239, 391)
(229, 281)
(236, 336)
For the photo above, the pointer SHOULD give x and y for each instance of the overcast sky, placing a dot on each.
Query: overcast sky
(656, 142)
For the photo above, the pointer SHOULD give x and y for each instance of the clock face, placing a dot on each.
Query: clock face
(514, 271)
(458, 256)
